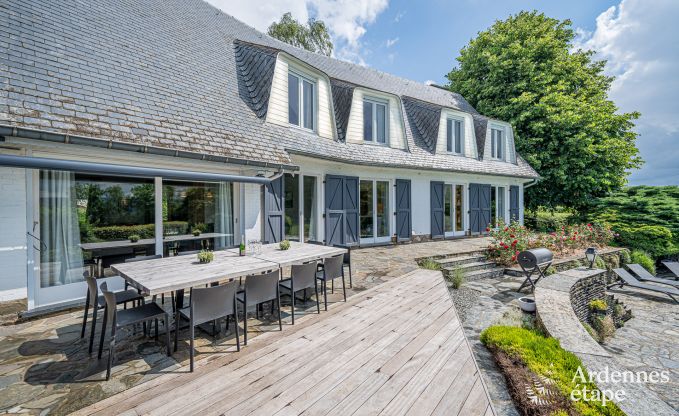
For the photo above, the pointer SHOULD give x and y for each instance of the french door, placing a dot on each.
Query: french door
(453, 209)
(374, 211)
(301, 207)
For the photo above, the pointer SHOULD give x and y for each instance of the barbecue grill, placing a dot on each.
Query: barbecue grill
(534, 262)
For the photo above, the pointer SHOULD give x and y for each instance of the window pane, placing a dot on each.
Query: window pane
(493, 206)
(500, 145)
(458, 136)
(293, 99)
(382, 189)
(310, 209)
(308, 91)
(449, 135)
(196, 215)
(367, 121)
(458, 208)
(448, 208)
(500, 203)
(381, 121)
(291, 200)
(366, 198)
(493, 137)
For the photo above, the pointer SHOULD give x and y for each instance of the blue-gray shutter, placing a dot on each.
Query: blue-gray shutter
(436, 203)
(484, 202)
(351, 210)
(514, 206)
(403, 210)
(274, 212)
(334, 210)
(474, 208)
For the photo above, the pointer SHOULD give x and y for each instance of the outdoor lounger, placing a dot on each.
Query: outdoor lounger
(673, 266)
(626, 279)
(648, 277)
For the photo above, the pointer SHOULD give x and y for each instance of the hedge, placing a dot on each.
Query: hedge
(655, 240)
(123, 232)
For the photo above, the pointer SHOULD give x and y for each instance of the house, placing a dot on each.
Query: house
(155, 127)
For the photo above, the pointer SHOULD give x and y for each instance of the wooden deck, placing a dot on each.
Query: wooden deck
(397, 348)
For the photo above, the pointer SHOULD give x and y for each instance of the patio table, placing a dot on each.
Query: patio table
(176, 273)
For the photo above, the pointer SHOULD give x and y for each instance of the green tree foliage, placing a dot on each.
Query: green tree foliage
(646, 217)
(523, 70)
(313, 36)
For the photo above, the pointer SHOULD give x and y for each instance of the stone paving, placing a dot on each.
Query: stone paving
(45, 367)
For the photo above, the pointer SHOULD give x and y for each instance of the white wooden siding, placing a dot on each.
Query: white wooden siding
(277, 112)
(509, 142)
(469, 135)
(13, 236)
(355, 126)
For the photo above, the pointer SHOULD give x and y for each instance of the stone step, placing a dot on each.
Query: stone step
(460, 260)
(472, 267)
(484, 274)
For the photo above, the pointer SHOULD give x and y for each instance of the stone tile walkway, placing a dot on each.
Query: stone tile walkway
(45, 367)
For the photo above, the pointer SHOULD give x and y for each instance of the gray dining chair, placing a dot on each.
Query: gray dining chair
(98, 302)
(346, 262)
(147, 312)
(302, 277)
(333, 268)
(209, 304)
(259, 289)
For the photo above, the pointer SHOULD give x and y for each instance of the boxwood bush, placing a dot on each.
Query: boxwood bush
(655, 240)
(639, 257)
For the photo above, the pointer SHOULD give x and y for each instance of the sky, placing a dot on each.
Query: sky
(420, 41)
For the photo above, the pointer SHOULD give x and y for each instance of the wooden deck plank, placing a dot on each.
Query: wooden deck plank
(395, 349)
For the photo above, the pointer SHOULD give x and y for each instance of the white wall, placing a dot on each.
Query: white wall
(420, 185)
(277, 111)
(469, 135)
(396, 128)
(13, 233)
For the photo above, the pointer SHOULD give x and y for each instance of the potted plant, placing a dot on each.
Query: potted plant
(134, 238)
(196, 232)
(527, 304)
(284, 245)
(205, 256)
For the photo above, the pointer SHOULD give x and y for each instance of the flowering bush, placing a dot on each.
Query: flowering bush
(510, 240)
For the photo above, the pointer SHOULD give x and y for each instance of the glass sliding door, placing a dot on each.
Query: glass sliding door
(366, 213)
(310, 204)
(374, 211)
(501, 204)
(453, 215)
(197, 215)
(291, 202)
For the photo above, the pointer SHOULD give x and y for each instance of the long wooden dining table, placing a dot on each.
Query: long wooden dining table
(176, 273)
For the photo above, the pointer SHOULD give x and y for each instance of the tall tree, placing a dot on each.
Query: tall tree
(525, 70)
(313, 36)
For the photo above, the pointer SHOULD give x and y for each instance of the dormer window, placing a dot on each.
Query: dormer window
(454, 135)
(497, 143)
(301, 101)
(375, 120)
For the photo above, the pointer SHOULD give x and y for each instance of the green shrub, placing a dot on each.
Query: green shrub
(545, 221)
(457, 278)
(600, 263)
(592, 333)
(430, 264)
(598, 305)
(604, 326)
(625, 257)
(123, 232)
(655, 240)
(550, 271)
(619, 311)
(545, 357)
(639, 257)
(134, 238)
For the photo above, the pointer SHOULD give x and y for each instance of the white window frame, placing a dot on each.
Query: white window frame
(505, 196)
(374, 102)
(453, 213)
(390, 189)
(494, 142)
(462, 138)
(300, 109)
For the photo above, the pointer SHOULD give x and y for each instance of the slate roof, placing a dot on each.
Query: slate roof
(480, 129)
(425, 117)
(176, 74)
(342, 94)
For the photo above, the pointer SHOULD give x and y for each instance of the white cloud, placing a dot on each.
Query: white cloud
(392, 42)
(639, 42)
(399, 16)
(347, 20)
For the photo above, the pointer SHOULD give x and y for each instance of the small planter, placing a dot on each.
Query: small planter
(527, 304)
(205, 256)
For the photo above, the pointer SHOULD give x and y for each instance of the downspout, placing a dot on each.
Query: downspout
(531, 183)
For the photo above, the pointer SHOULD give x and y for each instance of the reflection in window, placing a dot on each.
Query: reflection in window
(291, 201)
(310, 209)
(366, 212)
(459, 226)
(382, 208)
(197, 215)
(448, 208)
(500, 203)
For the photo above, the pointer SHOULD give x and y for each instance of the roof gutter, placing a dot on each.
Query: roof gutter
(531, 183)
(53, 137)
(124, 170)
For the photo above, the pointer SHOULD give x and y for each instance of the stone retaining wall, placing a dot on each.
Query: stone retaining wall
(585, 290)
